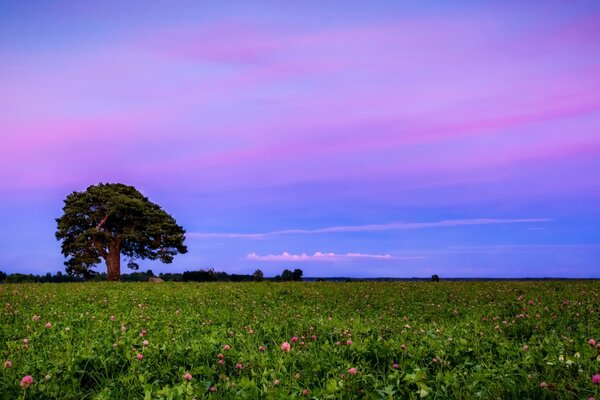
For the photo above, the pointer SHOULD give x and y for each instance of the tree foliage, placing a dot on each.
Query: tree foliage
(109, 220)
(258, 276)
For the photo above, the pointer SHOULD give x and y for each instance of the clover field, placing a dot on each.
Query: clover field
(447, 340)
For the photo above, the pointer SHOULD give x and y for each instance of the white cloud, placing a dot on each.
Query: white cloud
(390, 226)
(319, 256)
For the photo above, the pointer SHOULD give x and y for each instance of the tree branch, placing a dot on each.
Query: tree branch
(102, 222)
(100, 249)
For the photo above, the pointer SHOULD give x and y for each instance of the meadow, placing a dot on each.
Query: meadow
(400, 340)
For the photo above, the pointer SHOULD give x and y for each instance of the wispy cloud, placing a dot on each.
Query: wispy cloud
(319, 256)
(225, 235)
(390, 226)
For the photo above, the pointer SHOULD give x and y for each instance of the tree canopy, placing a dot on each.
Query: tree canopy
(111, 219)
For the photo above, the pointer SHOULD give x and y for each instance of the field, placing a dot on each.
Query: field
(448, 340)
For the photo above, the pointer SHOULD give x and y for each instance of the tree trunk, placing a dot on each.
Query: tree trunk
(113, 263)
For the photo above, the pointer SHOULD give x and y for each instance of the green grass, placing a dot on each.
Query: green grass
(449, 340)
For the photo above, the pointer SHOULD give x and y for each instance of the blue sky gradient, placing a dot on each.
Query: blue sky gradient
(342, 138)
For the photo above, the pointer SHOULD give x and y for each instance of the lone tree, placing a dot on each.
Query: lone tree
(258, 276)
(110, 219)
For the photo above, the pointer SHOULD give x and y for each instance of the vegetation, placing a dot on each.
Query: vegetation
(449, 340)
(202, 275)
(109, 220)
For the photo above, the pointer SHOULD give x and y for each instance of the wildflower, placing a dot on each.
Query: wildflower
(305, 392)
(592, 342)
(187, 377)
(7, 364)
(250, 332)
(561, 358)
(395, 366)
(297, 376)
(294, 339)
(48, 325)
(349, 342)
(26, 381)
(145, 343)
(35, 318)
(434, 360)
(140, 356)
(25, 341)
(525, 347)
(276, 382)
(286, 347)
(403, 346)
(220, 356)
(352, 371)
(123, 328)
(261, 348)
(213, 389)
(143, 333)
(314, 337)
(221, 362)
(227, 347)
(543, 385)
(112, 317)
(239, 365)
(596, 379)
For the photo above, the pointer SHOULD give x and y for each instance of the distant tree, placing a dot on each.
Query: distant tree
(171, 277)
(107, 220)
(435, 278)
(203, 275)
(2, 276)
(287, 275)
(258, 276)
(297, 275)
(150, 273)
(20, 278)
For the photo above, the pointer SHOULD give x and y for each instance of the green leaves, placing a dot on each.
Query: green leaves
(114, 218)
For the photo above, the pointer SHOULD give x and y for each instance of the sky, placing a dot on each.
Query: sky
(344, 138)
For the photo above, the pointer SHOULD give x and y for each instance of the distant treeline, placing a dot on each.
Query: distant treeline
(202, 275)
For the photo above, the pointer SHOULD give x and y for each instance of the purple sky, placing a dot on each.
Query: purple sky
(343, 138)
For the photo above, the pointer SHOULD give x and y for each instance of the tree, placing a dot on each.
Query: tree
(435, 278)
(287, 275)
(258, 276)
(297, 275)
(107, 220)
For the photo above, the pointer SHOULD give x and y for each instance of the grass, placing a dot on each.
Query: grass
(448, 340)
